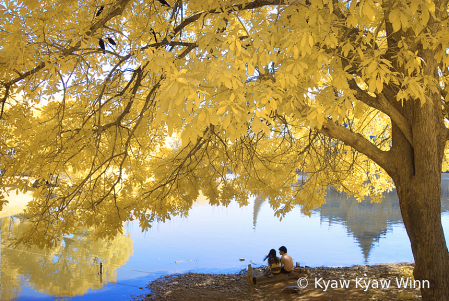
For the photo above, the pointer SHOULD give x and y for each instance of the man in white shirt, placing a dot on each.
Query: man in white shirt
(286, 261)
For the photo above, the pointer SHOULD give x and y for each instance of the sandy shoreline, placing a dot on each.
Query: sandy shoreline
(343, 283)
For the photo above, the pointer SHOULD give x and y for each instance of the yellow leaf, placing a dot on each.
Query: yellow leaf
(401, 95)
(348, 104)
(295, 53)
(395, 19)
(368, 11)
(227, 83)
(430, 5)
(372, 85)
(236, 112)
(320, 120)
(331, 6)
(173, 90)
(251, 69)
(425, 16)
(221, 110)
(379, 85)
(226, 121)
(236, 83)
(360, 52)
(169, 123)
(372, 67)
(359, 109)
(351, 21)
(404, 20)
(185, 137)
(346, 48)
(182, 80)
(202, 116)
(273, 104)
(312, 115)
(266, 129)
(256, 125)
(239, 46)
(414, 5)
(179, 100)
(304, 40)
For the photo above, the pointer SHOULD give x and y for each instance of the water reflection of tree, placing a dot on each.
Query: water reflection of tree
(367, 222)
(257, 203)
(68, 269)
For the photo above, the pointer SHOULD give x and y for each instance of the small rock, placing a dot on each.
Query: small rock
(292, 290)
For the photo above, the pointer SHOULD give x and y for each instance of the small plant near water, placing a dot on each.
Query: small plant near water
(407, 296)
(406, 272)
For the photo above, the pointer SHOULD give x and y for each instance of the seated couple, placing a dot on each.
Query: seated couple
(282, 265)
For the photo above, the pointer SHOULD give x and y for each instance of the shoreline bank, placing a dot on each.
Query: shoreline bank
(389, 281)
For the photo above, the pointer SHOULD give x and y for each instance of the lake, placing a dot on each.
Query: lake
(211, 240)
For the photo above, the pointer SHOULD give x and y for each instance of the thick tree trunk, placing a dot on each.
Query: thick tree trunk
(417, 175)
(421, 212)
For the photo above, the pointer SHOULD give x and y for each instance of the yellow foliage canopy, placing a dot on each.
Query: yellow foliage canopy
(264, 89)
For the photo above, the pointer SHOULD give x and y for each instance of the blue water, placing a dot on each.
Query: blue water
(214, 239)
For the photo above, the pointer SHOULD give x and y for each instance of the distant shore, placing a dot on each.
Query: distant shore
(371, 282)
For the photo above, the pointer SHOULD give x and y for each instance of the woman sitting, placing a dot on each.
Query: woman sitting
(274, 262)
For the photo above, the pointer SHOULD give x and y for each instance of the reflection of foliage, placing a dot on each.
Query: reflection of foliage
(10, 282)
(69, 269)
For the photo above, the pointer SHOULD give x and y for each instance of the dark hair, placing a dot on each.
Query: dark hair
(283, 249)
(270, 255)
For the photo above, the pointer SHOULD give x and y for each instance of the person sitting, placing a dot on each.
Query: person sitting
(286, 261)
(274, 262)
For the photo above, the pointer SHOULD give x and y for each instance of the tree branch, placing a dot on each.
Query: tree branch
(236, 7)
(357, 142)
(92, 29)
(382, 104)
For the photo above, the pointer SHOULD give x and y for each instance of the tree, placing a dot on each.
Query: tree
(352, 93)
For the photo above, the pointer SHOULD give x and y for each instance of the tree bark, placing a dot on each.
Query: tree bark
(420, 204)
(416, 171)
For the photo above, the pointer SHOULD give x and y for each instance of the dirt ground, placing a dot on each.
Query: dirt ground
(195, 286)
